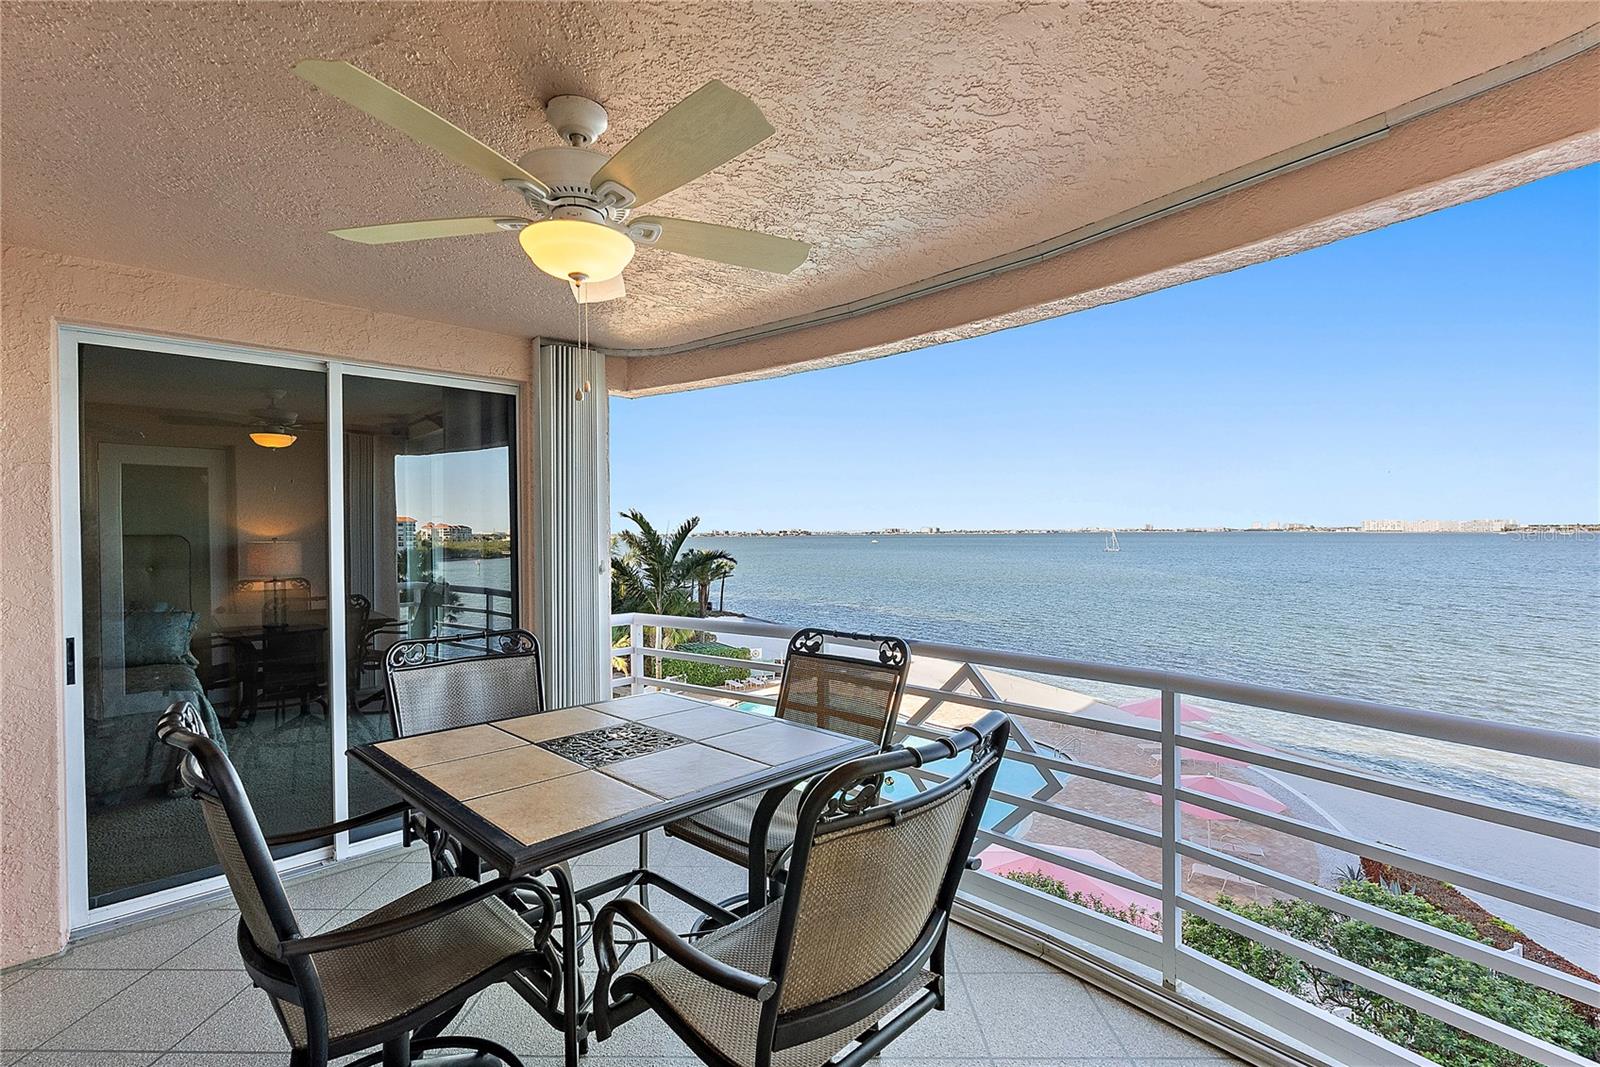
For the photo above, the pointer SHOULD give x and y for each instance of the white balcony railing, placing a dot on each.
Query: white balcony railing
(1158, 968)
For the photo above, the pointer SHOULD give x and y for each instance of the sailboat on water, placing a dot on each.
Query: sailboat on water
(1111, 543)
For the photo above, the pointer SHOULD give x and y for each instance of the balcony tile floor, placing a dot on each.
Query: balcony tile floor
(169, 992)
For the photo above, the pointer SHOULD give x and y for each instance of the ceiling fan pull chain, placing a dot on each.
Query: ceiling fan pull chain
(583, 325)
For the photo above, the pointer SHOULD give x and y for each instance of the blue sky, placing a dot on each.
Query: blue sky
(1445, 367)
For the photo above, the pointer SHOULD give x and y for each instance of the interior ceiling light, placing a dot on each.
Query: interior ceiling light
(576, 250)
(273, 438)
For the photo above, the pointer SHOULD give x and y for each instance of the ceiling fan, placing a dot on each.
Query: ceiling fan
(585, 231)
(270, 426)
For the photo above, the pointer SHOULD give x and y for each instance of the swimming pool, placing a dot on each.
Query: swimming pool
(1017, 778)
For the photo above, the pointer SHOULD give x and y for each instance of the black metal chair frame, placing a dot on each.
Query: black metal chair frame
(290, 975)
(364, 655)
(413, 654)
(447, 856)
(893, 654)
(834, 802)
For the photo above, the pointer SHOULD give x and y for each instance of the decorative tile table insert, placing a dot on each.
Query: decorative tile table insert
(596, 748)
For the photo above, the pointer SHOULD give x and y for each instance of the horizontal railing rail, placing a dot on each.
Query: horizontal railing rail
(464, 618)
(1170, 745)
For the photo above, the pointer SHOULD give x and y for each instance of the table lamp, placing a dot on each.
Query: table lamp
(272, 562)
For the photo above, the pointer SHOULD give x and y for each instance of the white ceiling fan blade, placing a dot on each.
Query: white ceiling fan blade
(359, 89)
(698, 134)
(598, 292)
(425, 229)
(726, 244)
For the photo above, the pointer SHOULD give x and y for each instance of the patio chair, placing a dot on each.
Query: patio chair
(439, 683)
(392, 979)
(852, 952)
(846, 694)
(436, 683)
(362, 652)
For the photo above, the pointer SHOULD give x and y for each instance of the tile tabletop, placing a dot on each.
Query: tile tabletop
(774, 742)
(493, 772)
(647, 705)
(558, 723)
(527, 791)
(423, 750)
(705, 721)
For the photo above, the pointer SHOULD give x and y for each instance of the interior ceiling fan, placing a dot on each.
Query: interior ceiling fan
(585, 230)
(270, 426)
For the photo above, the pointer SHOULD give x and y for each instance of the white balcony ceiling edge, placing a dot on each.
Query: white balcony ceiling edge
(1301, 155)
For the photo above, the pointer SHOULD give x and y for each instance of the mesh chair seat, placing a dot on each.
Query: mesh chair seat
(725, 830)
(376, 983)
(729, 1022)
(857, 697)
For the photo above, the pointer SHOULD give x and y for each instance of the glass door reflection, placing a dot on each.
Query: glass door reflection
(430, 541)
(203, 496)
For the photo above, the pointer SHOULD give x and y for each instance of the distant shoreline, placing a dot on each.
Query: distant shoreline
(1552, 530)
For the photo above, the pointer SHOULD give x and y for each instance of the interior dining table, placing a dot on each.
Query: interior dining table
(522, 796)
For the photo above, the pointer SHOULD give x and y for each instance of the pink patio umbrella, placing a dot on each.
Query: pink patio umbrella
(997, 859)
(1224, 789)
(1195, 756)
(1150, 708)
(1194, 811)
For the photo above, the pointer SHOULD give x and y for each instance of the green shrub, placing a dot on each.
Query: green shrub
(708, 674)
(1133, 915)
(1278, 969)
(1507, 1000)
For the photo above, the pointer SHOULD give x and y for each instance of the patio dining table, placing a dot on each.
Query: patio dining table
(524, 795)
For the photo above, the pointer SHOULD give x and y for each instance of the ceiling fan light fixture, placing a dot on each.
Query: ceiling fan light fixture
(573, 248)
(273, 438)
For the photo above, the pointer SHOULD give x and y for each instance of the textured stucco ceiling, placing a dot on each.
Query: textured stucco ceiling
(912, 139)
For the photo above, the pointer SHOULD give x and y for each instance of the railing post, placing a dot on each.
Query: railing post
(636, 657)
(1171, 868)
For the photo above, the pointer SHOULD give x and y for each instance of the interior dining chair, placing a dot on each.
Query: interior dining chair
(391, 980)
(848, 694)
(853, 953)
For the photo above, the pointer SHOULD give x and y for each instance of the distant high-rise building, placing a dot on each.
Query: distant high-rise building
(405, 533)
(442, 532)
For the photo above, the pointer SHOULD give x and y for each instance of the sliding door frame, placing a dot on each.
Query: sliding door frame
(69, 338)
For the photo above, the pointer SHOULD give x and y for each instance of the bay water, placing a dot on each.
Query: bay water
(1503, 627)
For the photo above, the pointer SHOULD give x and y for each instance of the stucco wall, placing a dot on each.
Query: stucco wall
(40, 290)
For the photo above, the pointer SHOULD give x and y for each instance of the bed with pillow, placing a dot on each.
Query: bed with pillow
(154, 667)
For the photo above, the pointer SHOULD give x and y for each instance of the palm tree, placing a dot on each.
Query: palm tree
(652, 573)
(705, 566)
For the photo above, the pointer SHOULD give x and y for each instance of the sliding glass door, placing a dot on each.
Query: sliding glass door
(204, 504)
(430, 537)
(200, 512)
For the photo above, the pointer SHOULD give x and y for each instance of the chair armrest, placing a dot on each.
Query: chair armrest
(337, 939)
(337, 827)
(674, 948)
